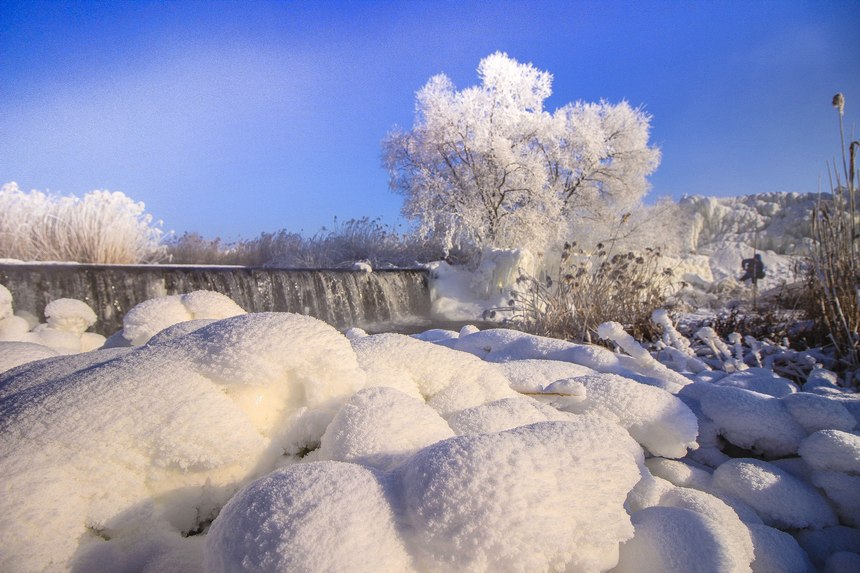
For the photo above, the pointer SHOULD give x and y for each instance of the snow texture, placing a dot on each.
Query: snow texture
(379, 426)
(677, 539)
(754, 421)
(782, 500)
(323, 516)
(514, 501)
(659, 421)
(146, 319)
(832, 450)
(157, 438)
(777, 551)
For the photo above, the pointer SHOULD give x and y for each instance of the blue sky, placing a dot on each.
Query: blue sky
(232, 118)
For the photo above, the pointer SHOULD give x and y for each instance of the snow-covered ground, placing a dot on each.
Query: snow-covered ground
(273, 442)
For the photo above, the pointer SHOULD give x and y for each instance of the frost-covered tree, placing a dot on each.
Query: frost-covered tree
(487, 165)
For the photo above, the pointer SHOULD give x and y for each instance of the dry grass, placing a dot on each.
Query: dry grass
(362, 239)
(591, 288)
(835, 270)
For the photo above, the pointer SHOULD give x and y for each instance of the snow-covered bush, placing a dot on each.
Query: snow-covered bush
(100, 227)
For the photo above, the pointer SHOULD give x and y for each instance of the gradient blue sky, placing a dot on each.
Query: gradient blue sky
(232, 118)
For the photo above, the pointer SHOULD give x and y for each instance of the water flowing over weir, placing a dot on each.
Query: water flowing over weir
(381, 300)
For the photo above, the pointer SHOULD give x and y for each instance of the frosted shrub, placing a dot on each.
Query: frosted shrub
(101, 227)
(362, 239)
(589, 289)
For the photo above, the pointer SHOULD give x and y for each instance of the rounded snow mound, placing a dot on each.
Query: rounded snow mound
(447, 379)
(780, 499)
(70, 315)
(155, 439)
(472, 508)
(655, 418)
(146, 319)
(323, 516)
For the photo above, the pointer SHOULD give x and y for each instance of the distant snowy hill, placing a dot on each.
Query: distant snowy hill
(778, 222)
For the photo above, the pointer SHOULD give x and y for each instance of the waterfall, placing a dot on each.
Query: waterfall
(375, 301)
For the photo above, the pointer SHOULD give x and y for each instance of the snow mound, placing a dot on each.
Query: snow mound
(753, 421)
(782, 500)
(158, 437)
(14, 354)
(69, 315)
(815, 412)
(659, 421)
(146, 319)
(677, 539)
(832, 450)
(534, 375)
(760, 380)
(379, 426)
(777, 552)
(735, 535)
(819, 544)
(679, 473)
(472, 509)
(323, 516)
(449, 381)
(504, 414)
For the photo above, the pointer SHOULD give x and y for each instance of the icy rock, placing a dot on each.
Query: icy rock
(815, 412)
(760, 380)
(380, 426)
(14, 354)
(782, 500)
(322, 516)
(678, 539)
(655, 418)
(753, 421)
(777, 551)
(502, 415)
(69, 315)
(471, 508)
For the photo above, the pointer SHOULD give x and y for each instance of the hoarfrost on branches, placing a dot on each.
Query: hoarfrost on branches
(489, 166)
